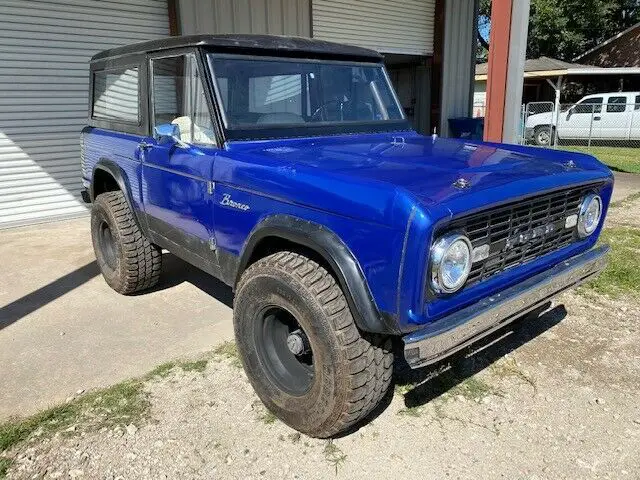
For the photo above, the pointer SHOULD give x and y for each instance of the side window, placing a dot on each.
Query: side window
(616, 104)
(589, 105)
(179, 101)
(637, 105)
(115, 95)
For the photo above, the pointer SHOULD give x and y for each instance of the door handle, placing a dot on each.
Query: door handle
(595, 119)
(145, 145)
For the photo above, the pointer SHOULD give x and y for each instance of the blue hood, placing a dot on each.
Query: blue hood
(382, 166)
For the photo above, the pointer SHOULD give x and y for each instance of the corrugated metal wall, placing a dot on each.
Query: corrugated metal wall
(275, 17)
(44, 50)
(389, 26)
(458, 64)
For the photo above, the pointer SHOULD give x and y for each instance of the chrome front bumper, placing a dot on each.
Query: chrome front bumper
(458, 330)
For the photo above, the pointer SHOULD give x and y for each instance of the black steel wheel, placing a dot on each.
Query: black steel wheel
(284, 349)
(300, 347)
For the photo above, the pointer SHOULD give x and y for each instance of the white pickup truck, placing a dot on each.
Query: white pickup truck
(600, 116)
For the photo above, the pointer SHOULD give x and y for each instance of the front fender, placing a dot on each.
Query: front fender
(338, 256)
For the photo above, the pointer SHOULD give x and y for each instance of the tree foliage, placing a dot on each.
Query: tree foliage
(564, 29)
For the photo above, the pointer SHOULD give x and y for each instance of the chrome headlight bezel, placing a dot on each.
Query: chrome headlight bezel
(583, 231)
(439, 249)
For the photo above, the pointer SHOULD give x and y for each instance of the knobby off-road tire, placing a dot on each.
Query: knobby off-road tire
(128, 262)
(350, 371)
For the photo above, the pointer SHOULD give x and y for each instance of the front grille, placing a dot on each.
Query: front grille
(521, 231)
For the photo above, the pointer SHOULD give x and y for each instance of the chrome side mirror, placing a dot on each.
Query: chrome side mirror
(167, 133)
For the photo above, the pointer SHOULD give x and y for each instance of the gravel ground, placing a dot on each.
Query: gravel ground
(555, 397)
(627, 213)
(551, 397)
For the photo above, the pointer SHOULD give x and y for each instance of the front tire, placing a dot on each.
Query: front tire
(543, 136)
(301, 349)
(128, 261)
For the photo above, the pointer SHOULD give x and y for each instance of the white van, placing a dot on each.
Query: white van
(601, 116)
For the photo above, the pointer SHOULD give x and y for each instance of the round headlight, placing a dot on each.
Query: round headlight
(589, 216)
(450, 263)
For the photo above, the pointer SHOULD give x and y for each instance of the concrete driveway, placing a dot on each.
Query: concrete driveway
(63, 329)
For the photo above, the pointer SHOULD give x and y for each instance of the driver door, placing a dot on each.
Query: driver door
(177, 167)
(577, 121)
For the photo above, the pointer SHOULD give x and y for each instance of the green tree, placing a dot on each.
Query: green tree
(564, 29)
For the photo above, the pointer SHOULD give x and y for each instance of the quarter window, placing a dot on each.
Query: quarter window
(179, 101)
(115, 95)
(637, 106)
(616, 104)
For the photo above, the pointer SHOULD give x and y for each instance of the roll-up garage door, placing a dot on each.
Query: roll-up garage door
(389, 26)
(45, 47)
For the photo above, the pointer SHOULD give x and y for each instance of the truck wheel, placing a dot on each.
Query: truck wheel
(543, 135)
(301, 349)
(128, 262)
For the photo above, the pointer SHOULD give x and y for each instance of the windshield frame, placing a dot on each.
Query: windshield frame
(261, 132)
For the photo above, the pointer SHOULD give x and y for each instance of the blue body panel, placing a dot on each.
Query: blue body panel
(174, 191)
(382, 194)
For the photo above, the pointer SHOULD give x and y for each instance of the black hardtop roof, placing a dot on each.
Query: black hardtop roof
(250, 44)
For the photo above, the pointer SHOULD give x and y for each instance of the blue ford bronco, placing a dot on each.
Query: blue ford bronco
(286, 168)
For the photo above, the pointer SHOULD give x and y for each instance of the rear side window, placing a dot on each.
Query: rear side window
(637, 107)
(616, 104)
(115, 95)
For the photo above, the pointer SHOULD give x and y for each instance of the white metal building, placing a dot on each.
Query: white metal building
(45, 46)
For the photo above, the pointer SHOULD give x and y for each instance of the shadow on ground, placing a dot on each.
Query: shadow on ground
(432, 381)
(37, 299)
(176, 271)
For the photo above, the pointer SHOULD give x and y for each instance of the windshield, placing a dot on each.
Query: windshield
(266, 93)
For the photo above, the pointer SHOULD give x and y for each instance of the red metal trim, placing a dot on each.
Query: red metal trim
(497, 72)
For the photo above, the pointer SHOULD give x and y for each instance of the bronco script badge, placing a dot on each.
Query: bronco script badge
(226, 201)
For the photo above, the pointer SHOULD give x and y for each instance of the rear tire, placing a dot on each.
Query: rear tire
(287, 303)
(128, 261)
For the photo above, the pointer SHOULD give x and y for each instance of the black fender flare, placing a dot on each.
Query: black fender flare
(338, 256)
(119, 175)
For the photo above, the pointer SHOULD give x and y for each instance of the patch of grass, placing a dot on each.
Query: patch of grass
(165, 369)
(473, 388)
(195, 366)
(411, 411)
(510, 368)
(120, 404)
(622, 275)
(333, 455)
(5, 463)
(403, 389)
(229, 350)
(161, 371)
(622, 159)
(267, 417)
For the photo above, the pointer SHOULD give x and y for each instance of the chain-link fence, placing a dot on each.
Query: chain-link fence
(587, 123)
(607, 126)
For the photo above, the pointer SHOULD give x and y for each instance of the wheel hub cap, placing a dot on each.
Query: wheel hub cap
(296, 342)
